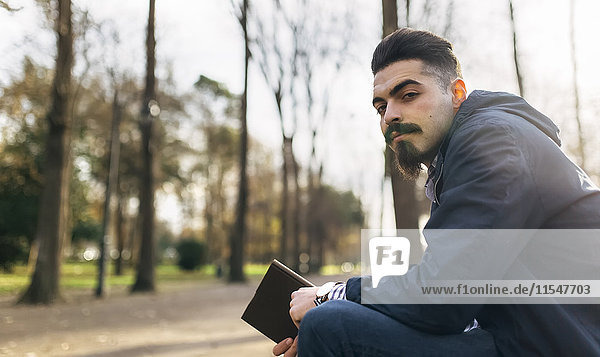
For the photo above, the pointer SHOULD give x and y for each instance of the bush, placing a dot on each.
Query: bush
(12, 250)
(192, 254)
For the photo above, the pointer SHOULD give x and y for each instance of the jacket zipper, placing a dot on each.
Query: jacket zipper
(435, 196)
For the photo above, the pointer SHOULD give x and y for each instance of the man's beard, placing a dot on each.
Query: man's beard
(407, 158)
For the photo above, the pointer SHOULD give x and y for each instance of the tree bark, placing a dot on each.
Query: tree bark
(407, 7)
(236, 259)
(296, 214)
(284, 212)
(390, 17)
(317, 230)
(120, 232)
(145, 279)
(111, 181)
(54, 203)
(209, 218)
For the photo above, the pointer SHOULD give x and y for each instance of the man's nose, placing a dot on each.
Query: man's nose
(392, 114)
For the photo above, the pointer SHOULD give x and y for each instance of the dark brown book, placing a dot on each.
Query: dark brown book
(268, 311)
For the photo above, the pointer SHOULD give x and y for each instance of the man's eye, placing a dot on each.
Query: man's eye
(410, 95)
(381, 109)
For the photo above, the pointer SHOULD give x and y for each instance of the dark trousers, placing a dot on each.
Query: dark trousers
(344, 328)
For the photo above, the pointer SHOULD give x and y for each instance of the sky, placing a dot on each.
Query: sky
(202, 37)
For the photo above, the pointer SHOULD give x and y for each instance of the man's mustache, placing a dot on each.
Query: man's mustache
(400, 128)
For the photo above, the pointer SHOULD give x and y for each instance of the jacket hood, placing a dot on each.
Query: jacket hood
(511, 104)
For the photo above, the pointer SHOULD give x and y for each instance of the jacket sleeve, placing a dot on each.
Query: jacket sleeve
(487, 184)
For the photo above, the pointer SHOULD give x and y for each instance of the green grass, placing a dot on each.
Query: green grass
(73, 276)
(10, 283)
(84, 276)
(256, 269)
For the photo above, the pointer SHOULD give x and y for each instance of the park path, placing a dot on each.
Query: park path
(185, 319)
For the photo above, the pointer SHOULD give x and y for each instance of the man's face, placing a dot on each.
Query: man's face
(415, 112)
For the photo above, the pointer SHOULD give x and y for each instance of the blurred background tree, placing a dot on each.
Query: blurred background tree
(52, 220)
(299, 66)
(150, 110)
(23, 101)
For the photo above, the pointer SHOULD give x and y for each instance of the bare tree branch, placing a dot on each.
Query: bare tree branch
(7, 7)
(515, 51)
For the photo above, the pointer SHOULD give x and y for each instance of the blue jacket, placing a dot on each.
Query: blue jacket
(501, 167)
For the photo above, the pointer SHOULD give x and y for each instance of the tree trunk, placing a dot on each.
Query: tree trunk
(284, 212)
(54, 203)
(111, 181)
(213, 252)
(310, 214)
(321, 229)
(120, 232)
(406, 207)
(296, 215)
(316, 230)
(236, 259)
(407, 7)
(390, 16)
(145, 270)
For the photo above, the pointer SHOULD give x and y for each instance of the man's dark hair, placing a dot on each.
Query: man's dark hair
(406, 43)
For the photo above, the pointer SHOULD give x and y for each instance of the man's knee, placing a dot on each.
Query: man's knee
(324, 315)
(322, 328)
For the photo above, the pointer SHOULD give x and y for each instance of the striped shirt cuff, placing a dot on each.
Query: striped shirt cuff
(337, 293)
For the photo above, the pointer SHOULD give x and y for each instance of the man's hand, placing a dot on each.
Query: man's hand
(286, 346)
(302, 301)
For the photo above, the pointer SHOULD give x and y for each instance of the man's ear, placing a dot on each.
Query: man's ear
(459, 93)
